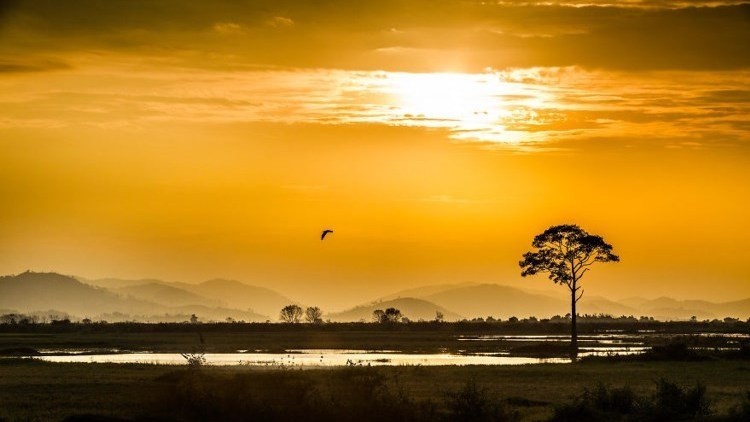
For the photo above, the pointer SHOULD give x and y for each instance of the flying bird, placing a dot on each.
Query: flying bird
(325, 232)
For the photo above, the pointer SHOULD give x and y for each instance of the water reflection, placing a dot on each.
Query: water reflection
(308, 358)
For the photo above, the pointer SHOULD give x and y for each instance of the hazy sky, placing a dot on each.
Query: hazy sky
(193, 140)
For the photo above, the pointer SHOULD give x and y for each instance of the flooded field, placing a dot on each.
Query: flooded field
(306, 358)
(590, 345)
(321, 348)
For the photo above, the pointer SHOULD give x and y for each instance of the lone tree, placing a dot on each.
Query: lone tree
(291, 313)
(387, 316)
(313, 315)
(566, 252)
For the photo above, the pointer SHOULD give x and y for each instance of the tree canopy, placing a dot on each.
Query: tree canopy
(565, 252)
(291, 313)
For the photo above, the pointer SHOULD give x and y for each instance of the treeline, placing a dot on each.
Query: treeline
(294, 314)
(510, 326)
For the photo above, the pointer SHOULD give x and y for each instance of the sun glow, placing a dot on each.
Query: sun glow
(448, 96)
(474, 106)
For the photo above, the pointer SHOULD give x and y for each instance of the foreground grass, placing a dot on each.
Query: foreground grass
(38, 391)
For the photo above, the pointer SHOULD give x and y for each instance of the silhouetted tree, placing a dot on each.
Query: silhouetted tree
(439, 316)
(566, 252)
(314, 315)
(378, 315)
(389, 315)
(393, 315)
(291, 313)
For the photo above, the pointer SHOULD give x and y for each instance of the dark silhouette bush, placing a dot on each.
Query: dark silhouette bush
(353, 394)
(599, 404)
(742, 411)
(670, 402)
(475, 404)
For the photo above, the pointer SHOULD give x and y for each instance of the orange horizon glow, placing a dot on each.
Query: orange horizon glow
(189, 143)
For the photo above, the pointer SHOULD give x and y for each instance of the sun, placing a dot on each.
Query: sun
(473, 106)
(453, 97)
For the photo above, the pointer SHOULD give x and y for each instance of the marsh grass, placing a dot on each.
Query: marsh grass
(32, 390)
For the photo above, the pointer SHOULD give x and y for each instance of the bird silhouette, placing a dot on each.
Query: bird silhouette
(325, 232)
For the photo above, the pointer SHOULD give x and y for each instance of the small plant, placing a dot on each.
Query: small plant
(195, 359)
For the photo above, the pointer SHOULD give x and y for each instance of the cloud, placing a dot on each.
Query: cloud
(467, 35)
(522, 109)
(280, 22)
(8, 66)
(228, 28)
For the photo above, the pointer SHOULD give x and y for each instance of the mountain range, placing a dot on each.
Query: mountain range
(218, 300)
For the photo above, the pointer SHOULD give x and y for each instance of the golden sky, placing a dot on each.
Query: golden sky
(193, 140)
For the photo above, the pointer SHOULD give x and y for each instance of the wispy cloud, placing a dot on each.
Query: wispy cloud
(522, 108)
(32, 65)
(402, 35)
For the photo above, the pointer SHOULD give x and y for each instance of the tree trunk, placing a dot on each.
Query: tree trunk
(573, 327)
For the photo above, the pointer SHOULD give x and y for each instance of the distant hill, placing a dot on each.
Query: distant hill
(29, 292)
(116, 283)
(669, 308)
(165, 294)
(425, 291)
(412, 308)
(204, 314)
(236, 294)
(217, 292)
(737, 308)
(156, 300)
(599, 305)
(483, 300)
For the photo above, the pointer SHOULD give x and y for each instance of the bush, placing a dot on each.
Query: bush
(600, 404)
(741, 412)
(670, 402)
(673, 403)
(353, 394)
(472, 403)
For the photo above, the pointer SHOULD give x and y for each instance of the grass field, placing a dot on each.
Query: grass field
(32, 390)
(37, 391)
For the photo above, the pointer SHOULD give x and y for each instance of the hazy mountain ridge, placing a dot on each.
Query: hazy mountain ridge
(29, 292)
(501, 301)
(217, 292)
(239, 295)
(167, 295)
(412, 308)
(217, 300)
(483, 300)
(426, 290)
(38, 291)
